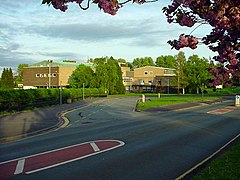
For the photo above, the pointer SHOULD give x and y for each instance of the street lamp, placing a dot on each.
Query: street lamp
(83, 92)
(60, 93)
(168, 85)
(49, 73)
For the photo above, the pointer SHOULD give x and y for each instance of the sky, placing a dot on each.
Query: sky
(31, 32)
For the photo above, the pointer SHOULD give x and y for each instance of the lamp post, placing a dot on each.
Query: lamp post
(60, 93)
(83, 91)
(49, 73)
(168, 85)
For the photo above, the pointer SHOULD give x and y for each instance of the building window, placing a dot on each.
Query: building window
(150, 82)
(145, 72)
(54, 75)
(37, 75)
(141, 82)
(150, 72)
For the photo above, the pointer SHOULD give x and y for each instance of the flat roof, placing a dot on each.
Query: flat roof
(58, 63)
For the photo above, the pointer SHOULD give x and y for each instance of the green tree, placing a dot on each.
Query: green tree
(115, 84)
(181, 73)
(121, 60)
(101, 60)
(109, 76)
(81, 75)
(7, 78)
(129, 65)
(166, 61)
(102, 76)
(19, 79)
(141, 62)
(197, 69)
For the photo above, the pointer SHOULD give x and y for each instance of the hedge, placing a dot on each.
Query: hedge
(19, 99)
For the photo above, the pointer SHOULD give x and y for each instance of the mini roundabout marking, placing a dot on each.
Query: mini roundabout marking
(49, 159)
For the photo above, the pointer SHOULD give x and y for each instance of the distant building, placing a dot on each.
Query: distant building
(48, 74)
(55, 74)
(148, 79)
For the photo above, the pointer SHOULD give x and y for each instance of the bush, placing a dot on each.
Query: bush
(16, 99)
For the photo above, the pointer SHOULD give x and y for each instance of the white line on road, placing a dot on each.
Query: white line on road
(94, 146)
(20, 166)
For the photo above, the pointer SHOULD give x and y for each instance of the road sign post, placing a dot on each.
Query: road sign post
(143, 98)
(237, 100)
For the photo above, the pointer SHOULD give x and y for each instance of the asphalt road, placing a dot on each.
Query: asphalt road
(157, 145)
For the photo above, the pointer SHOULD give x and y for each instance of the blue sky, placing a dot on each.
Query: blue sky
(31, 32)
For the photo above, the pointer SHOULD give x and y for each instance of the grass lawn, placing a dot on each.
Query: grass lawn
(168, 100)
(227, 90)
(226, 166)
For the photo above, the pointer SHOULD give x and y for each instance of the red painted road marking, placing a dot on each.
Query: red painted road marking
(222, 111)
(49, 159)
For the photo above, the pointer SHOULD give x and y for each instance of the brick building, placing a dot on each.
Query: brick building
(55, 74)
(48, 73)
(148, 79)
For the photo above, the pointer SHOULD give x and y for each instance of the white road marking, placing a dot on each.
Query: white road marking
(21, 161)
(94, 146)
(20, 166)
(72, 160)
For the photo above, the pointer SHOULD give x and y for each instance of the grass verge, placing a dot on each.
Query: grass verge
(226, 166)
(169, 100)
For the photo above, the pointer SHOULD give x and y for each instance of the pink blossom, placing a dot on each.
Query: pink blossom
(186, 20)
(109, 6)
(234, 62)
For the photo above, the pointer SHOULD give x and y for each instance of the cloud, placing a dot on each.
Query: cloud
(141, 33)
(60, 55)
(9, 57)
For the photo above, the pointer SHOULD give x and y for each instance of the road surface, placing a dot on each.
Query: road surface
(146, 145)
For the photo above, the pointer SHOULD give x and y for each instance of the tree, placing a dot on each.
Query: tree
(140, 62)
(129, 65)
(166, 61)
(102, 77)
(121, 60)
(198, 68)
(221, 15)
(109, 76)
(81, 75)
(181, 72)
(97, 61)
(7, 78)
(19, 79)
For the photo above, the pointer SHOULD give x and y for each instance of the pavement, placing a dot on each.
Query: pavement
(28, 123)
(23, 124)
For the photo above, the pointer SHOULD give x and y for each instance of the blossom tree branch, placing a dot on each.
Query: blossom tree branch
(85, 8)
